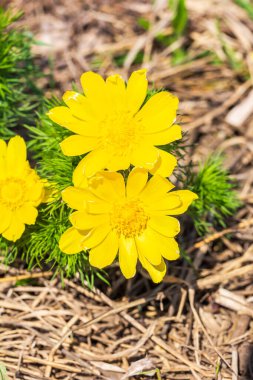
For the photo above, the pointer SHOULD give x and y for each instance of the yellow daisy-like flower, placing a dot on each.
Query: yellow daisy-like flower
(132, 220)
(21, 189)
(110, 125)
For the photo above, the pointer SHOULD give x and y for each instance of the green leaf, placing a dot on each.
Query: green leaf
(3, 373)
(179, 56)
(180, 19)
(246, 5)
(143, 23)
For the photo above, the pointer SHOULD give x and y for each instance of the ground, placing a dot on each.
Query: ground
(197, 324)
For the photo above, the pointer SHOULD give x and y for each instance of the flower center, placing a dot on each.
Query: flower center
(12, 192)
(121, 133)
(129, 219)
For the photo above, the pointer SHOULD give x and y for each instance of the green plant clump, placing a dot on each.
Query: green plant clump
(217, 196)
(19, 96)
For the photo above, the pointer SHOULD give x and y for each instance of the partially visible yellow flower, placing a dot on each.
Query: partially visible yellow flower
(21, 189)
(133, 221)
(110, 125)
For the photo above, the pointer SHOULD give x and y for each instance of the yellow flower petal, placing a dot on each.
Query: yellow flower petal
(99, 207)
(120, 162)
(117, 180)
(186, 197)
(3, 149)
(116, 92)
(136, 90)
(64, 117)
(16, 156)
(96, 236)
(76, 145)
(71, 241)
(164, 205)
(27, 214)
(156, 273)
(127, 257)
(79, 106)
(147, 247)
(159, 112)
(145, 156)
(156, 188)
(94, 162)
(165, 225)
(14, 230)
(136, 182)
(35, 191)
(167, 247)
(79, 178)
(104, 254)
(83, 199)
(95, 89)
(170, 249)
(164, 137)
(109, 186)
(6, 216)
(84, 221)
(74, 197)
(165, 164)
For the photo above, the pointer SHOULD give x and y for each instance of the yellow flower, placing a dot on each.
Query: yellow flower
(133, 221)
(21, 190)
(110, 125)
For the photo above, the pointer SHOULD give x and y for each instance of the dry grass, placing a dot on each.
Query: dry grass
(198, 323)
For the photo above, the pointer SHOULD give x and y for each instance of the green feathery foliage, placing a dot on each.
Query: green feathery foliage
(44, 139)
(211, 182)
(216, 191)
(19, 95)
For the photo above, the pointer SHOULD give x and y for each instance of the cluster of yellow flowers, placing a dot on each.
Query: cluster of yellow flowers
(126, 215)
(123, 201)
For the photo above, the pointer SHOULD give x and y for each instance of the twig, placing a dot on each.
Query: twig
(196, 316)
(25, 277)
(207, 118)
(209, 281)
(240, 226)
